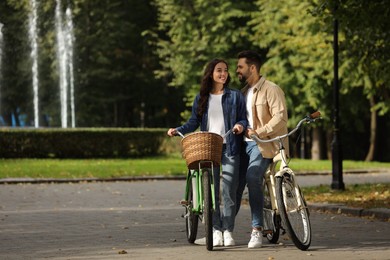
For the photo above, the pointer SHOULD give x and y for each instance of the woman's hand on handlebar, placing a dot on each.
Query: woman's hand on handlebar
(237, 129)
(172, 132)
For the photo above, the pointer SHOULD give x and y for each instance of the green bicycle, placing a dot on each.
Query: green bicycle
(202, 151)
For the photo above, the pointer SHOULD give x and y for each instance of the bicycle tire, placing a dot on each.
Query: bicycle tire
(271, 221)
(295, 218)
(207, 209)
(190, 217)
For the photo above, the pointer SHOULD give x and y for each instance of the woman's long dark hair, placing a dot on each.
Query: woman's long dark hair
(207, 85)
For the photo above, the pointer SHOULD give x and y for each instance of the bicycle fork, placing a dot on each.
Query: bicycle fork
(194, 181)
(289, 174)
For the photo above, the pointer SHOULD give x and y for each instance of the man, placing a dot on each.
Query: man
(267, 118)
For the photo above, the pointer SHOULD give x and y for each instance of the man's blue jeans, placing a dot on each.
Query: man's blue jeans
(252, 170)
(230, 172)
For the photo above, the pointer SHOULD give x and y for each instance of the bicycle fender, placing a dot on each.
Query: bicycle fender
(283, 171)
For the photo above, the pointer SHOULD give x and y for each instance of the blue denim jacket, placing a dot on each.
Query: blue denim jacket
(234, 110)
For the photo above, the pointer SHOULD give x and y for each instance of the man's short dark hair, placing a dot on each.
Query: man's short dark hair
(252, 58)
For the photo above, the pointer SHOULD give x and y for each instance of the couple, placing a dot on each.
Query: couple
(260, 109)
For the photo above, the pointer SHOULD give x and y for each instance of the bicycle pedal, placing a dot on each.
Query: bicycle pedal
(267, 232)
(183, 202)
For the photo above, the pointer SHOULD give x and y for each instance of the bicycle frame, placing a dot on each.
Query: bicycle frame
(194, 178)
(269, 178)
(271, 174)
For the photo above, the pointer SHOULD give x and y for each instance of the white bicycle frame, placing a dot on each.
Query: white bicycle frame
(272, 174)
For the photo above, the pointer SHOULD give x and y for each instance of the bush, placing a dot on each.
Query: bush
(85, 142)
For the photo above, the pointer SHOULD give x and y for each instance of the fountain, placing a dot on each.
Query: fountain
(65, 44)
(33, 35)
(69, 49)
(65, 39)
(62, 61)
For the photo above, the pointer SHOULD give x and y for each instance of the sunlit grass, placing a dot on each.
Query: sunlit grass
(326, 165)
(90, 168)
(172, 165)
(357, 195)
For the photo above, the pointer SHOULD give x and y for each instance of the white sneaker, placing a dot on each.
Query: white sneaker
(217, 238)
(256, 239)
(228, 239)
(200, 241)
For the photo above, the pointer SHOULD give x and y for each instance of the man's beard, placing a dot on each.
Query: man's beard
(242, 79)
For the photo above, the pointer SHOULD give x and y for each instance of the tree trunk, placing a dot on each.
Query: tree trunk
(329, 139)
(316, 144)
(371, 150)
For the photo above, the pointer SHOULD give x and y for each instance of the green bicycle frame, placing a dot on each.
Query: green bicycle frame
(194, 178)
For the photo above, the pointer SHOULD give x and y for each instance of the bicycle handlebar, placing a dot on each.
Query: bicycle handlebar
(224, 136)
(308, 119)
(178, 133)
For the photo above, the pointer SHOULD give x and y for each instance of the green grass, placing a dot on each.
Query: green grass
(357, 195)
(362, 196)
(90, 168)
(172, 165)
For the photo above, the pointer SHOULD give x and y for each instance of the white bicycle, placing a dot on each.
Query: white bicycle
(285, 207)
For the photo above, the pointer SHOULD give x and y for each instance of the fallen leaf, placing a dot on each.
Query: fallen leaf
(122, 252)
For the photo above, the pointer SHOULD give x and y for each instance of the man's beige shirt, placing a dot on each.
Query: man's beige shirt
(269, 115)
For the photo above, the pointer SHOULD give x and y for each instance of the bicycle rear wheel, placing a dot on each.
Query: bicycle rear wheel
(207, 209)
(271, 221)
(293, 211)
(190, 217)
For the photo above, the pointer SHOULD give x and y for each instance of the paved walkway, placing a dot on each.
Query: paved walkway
(141, 220)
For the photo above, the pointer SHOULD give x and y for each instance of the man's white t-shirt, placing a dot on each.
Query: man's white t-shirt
(249, 112)
(215, 121)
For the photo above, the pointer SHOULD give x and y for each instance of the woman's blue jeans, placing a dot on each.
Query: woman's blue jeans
(252, 169)
(230, 171)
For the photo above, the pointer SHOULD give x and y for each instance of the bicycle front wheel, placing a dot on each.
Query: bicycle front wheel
(293, 211)
(207, 209)
(190, 217)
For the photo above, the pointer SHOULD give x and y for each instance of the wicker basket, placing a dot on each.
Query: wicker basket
(202, 146)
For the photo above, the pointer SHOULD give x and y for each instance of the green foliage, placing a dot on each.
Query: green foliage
(365, 45)
(15, 67)
(113, 65)
(128, 52)
(190, 33)
(300, 56)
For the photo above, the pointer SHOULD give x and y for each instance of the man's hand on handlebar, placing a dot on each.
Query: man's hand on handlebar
(250, 132)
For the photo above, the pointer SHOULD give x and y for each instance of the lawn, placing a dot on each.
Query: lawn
(357, 195)
(172, 165)
(361, 196)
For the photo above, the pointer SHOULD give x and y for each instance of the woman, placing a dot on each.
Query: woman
(218, 109)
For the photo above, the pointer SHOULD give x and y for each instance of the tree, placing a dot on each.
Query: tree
(16, 99)
(190, 33)
(299, 58)
(114, 81)
(365, 26)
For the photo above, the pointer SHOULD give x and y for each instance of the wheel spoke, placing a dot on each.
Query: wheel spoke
(294, 212)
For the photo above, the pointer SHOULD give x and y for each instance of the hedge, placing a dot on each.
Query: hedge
(85, 142)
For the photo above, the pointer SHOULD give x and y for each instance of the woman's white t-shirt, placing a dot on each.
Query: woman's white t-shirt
(215, 120)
